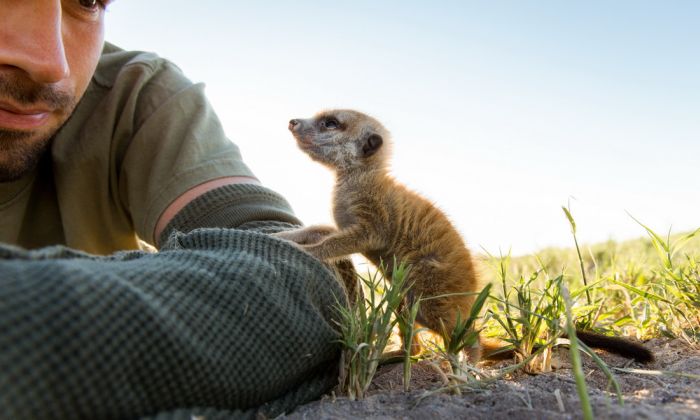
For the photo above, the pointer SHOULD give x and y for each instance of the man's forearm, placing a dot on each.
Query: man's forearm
(220, 318)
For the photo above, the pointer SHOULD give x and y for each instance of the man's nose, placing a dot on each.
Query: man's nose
(31, 39)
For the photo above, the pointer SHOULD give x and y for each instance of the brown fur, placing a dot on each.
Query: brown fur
(386, 222)
(383, 220)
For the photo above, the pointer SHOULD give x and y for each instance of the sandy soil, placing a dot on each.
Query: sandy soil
(543, 396)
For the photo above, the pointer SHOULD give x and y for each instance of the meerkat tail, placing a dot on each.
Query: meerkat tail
(494, 349)
(617, 345)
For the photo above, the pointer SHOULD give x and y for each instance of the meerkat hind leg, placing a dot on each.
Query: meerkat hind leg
(415, 347)
(395, 356)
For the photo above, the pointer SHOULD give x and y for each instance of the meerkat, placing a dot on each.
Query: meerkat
(386, 222)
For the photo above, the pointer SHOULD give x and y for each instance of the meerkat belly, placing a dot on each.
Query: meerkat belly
(409, 252)
(386, 259)
(438, 259)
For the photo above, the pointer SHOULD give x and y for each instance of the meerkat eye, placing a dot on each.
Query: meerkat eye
(330, 123)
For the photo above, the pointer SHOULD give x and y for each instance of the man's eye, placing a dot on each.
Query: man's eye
(331, 123)
(91, 4)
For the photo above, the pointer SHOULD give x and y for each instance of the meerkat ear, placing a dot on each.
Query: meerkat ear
(372, 144)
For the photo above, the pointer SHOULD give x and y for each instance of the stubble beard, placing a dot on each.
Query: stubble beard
(20, 151)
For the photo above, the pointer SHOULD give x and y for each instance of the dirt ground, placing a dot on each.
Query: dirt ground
(544, 396)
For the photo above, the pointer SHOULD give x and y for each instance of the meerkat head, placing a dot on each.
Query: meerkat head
(342, 139)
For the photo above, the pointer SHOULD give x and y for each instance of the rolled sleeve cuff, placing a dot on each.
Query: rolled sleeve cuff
(231, 206)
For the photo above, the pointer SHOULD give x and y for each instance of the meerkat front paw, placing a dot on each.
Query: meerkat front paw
(287, 235)
(314, 250)
(287, 240)
(306, 236)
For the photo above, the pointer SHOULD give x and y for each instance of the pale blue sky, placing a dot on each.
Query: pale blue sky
(500, 111)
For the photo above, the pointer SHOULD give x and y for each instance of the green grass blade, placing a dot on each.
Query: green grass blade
(576, 359)
(640, 292)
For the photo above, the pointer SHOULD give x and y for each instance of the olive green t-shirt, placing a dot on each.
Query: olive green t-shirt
(142, 135)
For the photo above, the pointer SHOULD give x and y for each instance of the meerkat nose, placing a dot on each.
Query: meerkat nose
(293, 124)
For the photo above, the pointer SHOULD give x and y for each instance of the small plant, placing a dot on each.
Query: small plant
(367, 324)
(529, 317)
(406, 319)
(458, 343)
(534, 314)
(464, 336)
(366, 327)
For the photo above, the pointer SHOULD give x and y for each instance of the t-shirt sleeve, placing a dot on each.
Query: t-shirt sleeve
(232, 206)
(177, 142)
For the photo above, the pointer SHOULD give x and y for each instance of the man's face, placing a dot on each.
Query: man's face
(48, 53)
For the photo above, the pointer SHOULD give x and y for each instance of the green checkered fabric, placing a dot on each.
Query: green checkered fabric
(221, 323)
